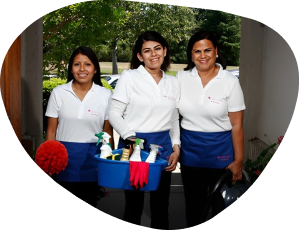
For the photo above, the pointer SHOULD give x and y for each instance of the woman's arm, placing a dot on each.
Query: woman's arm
(52, 128)
(236, 119)
(174, 158)
(175, 139)
(108, 129)
(116, 111)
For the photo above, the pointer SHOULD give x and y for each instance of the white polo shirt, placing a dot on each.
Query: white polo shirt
(206, 109)
(79, 121)
(149, 105)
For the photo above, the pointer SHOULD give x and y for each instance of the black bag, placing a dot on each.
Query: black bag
(229, 190)
(102, 192)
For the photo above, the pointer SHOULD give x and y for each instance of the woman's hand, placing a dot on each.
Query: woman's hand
(236, 168)
(131, 146)
(173, 159)
(236, 119)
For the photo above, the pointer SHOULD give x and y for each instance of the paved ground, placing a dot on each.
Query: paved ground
(115, 203)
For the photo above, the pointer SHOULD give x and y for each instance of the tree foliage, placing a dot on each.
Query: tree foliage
(227, 27)
(111, 27)
(175, 23)
(81, 24)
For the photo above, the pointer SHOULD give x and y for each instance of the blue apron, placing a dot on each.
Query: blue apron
(157, 138)
(81, 167)
(206, 150)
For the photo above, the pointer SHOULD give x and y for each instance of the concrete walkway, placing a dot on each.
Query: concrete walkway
(114, 205)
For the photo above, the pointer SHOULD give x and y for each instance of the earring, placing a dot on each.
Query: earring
(217, 56)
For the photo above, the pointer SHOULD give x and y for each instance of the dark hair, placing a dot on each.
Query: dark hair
(200, 35)
(93, 58)
(150, 36)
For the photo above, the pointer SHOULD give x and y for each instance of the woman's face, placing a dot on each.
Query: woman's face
(83, 69)
(152, 54)
(204, 55)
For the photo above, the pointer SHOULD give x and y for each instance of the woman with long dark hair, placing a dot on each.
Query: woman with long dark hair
(144, 105)
(76, 112)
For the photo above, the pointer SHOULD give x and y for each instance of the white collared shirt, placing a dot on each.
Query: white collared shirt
(79, 121)
(205, 109)
(149, 105)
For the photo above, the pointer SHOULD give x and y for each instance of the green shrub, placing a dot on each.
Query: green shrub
(51, 83)
(106, 84)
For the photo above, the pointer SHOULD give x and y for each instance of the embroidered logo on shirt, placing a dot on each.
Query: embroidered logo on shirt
(94, 113)
(170, 98)
(215, 101)
(224, 158)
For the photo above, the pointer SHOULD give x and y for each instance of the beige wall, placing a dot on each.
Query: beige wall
(269, 79)
(280, 86)
(250, 74)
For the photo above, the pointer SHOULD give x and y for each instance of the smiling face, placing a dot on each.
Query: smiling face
(83, 69)
(204, 55)
(152, 54)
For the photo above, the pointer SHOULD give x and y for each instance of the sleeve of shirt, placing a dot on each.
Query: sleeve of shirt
(54, 104)
(116, 111)
(236, 99)
(108, 105)
(175, 128)
(178, 92)
(123, 88)
(178, 76)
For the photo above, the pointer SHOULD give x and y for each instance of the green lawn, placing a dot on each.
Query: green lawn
(173, 69)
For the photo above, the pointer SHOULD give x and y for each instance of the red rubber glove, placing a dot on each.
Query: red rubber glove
(139, 173)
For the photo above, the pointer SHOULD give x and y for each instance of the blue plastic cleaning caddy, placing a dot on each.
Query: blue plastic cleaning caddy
(115, 174)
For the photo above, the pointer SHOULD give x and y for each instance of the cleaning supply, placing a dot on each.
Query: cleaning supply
(126, 150)
(106, 149)
(153, 153)
(136, 153)
(114, 157)
(125, 154)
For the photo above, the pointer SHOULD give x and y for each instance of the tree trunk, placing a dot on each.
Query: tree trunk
(114, 60)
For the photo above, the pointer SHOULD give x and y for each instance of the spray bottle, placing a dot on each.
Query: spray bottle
(153, 153)
(106, 149)
(136, 155)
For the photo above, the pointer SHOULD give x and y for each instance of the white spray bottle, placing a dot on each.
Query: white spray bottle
(153, 153)
(136, 155)
(106, 149)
